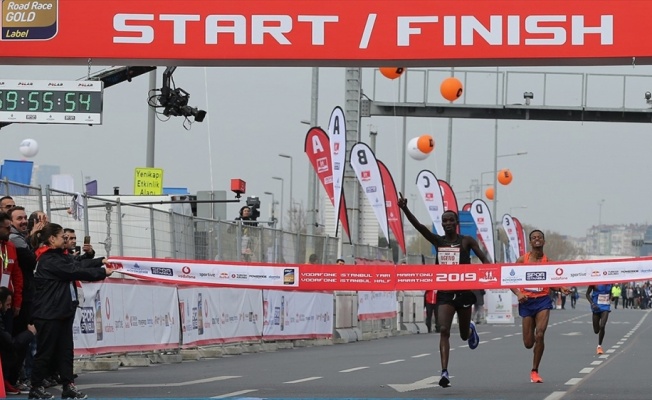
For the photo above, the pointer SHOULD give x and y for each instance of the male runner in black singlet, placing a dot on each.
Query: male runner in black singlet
(452, 249)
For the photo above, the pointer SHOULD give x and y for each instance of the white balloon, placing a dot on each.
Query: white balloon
(28, 148)
(414, 152)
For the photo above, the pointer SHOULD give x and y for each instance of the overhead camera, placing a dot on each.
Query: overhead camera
(648, 95)
(174, 101)
(528, 96)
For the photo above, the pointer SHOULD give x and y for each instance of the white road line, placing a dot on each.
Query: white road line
(611, 351)
(555, 396)
(586, 370)
(234, 394)
(353, 369)
(615, 347)
(391, 362)
(312, 378)
(597, 362)
(177, 384)
(496, 338)
(421, 355)
(573, 381)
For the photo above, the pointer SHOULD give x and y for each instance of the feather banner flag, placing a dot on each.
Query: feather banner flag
(432, 197)
(391, 202)
(363, 161)
(482, 217)
(315, 147)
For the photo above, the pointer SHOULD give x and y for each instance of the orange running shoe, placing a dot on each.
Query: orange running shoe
(599, 350)
(535, 378)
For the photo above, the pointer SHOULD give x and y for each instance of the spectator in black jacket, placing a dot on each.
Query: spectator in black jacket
(54, 307)
(12, 346)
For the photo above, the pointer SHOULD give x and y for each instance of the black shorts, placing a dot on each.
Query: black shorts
(458, 299)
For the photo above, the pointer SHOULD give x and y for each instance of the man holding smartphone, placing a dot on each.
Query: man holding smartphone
(81, 252)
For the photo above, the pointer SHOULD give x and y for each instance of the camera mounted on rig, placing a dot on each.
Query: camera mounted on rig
(253, 202)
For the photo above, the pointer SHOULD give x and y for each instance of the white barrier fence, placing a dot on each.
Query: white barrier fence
(133, 316)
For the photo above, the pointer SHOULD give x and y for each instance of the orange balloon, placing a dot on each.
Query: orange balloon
(489, 193)
(391, 72)
(451, 88)
(426, 143)
(505, 177)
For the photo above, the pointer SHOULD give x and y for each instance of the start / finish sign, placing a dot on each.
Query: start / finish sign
(325, 33)
(148, 182)
(51, 101)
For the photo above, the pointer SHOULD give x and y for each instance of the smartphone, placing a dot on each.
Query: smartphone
(87, 240)
(77, 249)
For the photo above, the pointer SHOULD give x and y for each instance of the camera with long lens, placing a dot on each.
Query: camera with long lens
(175, 103)
(253, 202)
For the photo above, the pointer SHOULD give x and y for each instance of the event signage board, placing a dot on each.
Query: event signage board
(338, 32)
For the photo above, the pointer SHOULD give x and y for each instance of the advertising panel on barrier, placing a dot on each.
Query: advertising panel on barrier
(297, 315)
(382, 277)
(220, 315)
(336, 33)
(499, 306)
(376, 305)
(118, 315)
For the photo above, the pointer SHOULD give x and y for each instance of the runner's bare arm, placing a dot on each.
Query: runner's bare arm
(473, 244)
(422, 229)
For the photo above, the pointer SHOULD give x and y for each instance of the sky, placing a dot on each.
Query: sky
(255, 113)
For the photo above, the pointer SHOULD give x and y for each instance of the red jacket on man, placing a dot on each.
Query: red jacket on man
(12, 276)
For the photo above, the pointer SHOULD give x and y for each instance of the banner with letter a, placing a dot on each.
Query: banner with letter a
(337, 136)
(432, 198)
(315, 147)
(367, 171)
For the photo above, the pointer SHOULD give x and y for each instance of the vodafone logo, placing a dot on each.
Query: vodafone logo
(185, 269)
(559, 271)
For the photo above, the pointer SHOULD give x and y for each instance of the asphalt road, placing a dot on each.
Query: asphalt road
(408, 367)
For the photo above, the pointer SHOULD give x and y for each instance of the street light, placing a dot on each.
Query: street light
(282, 195)
(600, 203)
(273, 205)
(290, 157)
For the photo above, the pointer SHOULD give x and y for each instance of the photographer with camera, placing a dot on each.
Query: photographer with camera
(248, 215)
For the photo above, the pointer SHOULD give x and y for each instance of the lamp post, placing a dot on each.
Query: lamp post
(273, 204)
(282, 195)
(290, 157)
(600, 203)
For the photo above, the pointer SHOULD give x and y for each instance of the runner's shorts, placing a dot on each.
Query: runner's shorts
(458, 299)
(532, 306)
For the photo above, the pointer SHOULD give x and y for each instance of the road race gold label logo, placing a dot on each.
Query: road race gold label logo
(29, 19)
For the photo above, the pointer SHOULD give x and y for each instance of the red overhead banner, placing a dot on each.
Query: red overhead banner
(337, 32)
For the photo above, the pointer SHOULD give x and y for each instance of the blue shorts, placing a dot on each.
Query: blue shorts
(531, 307)
(601, 308)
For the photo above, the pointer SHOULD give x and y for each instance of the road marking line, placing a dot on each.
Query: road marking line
(177, 384)
(312, 378)
(421, 355)
(353, 369)
(597, 362)
(391, 362)
(573, 381)
(586, 370)
(234, 394)
(555, 396)
(497, 338)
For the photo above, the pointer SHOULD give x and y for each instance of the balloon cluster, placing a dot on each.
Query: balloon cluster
(504, 178)
(419, 148)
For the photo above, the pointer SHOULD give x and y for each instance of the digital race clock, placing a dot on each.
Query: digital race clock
(55, 102)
